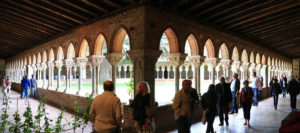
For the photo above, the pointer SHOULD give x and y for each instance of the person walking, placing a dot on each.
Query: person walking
(209, 104)
(4, 91)
(224, 98)
(293, 89)
(194, 103)
(260, 88)
(26, 88)
(275, 90)
(283, 85)
(33, 85)
(8, 86)
(144, 124)
(245, 100)
(235, 88)
(105, 111)
(182, 107)
(255, 84)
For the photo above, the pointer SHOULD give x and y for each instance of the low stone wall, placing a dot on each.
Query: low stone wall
(164, 118)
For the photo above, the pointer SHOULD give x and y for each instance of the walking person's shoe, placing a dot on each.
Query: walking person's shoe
(245, 123)
(227, 124)
(231, 112)
(249, 125)
(236, 112)
(221, 124)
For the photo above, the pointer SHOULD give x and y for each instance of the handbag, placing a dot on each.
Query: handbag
(204, 117)
(151, 111)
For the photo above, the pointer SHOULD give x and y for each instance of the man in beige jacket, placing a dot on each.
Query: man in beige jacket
(182, 107)
(105, 111)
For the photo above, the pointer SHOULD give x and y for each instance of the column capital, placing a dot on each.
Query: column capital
(177, 59)
(81, 61)
(96, 60)
(258, 66)
(114, 58)
(197, 60)
(58, 64)
(211, 62)
(144, 55)
(225, 62)
(50, 64)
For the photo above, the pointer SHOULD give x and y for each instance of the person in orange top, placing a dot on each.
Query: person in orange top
(246, 99)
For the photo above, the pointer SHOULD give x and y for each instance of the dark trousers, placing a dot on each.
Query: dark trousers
(223, 110)
(234, 104)
(183, 125)
(275, 97)
(293, 101)
(247, 110)
(283, 91)
(260, 94)
(210, 117)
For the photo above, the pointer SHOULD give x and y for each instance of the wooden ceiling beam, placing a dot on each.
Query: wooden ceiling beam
(286, 32)
(32, 18)
(12, 44)
(213, 8)
(112, 3)
(201, 3)
(27, 26)
(286, 41)
(95, 6)
(243, 11)
(54, 12)
(44, 15)
(264, 12)
(21, 31)
(269, 27)
(7, 34)
(228, 9)
(65, 9)
(78, 7)
(275, 31)
(270, 19)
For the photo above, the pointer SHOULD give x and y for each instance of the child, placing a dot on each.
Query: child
(246, 99)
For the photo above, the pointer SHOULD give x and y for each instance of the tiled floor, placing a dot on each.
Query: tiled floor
(264, 118)
(53, 111)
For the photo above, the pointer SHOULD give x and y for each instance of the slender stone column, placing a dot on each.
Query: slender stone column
(144, 61)
(197, 61)
(95, 60)
(211, 62)
(226, 64)
(44, 67)
(258, 68)
(265, 75)
(245, 66)
(81, 62)
(68, 64)
(58, 65)
(114, 59)
(177, 59)
(50, 75)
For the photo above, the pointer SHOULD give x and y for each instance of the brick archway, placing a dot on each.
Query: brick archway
(244, 56)
(209, 49)
(193, 44)
(172, 39)
(99, 43)
(83, 48)
(223, 52)
(235, 54)
(60, 53)
(118, 40)
(263, 60)
(252, 57)
(51, 55)
(45, 56)
(70, 51)
(257, 60)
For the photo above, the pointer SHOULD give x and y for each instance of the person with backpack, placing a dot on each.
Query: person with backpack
(246, 99)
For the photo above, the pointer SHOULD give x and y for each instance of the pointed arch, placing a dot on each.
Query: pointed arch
(263, 60)
(118, 40)
(252, 57)
(209, 49)
(29, 60)
(39, 58)
(70, 51)
(25, 61)
(276, 62)
(193, 44)
(235, 54)
(223, 52)
(257, 60)
(84, 48)
(60, 54)
(273, 62)
(45, 56)
(33, 59)
(51, 55)
(244, 56)
(99, 44)
(269, 61)
(173, 41)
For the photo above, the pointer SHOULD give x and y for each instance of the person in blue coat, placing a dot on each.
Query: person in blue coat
(26, 87)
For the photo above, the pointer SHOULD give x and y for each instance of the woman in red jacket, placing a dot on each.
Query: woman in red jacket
(246, 99)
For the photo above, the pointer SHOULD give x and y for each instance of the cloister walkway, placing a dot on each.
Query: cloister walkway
(264, 119)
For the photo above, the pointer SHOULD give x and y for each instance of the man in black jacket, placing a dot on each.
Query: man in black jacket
(293, 89)
(235, 87)
(224, 98)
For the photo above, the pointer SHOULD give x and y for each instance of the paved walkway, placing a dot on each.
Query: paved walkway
(53, 111)
(264, 118)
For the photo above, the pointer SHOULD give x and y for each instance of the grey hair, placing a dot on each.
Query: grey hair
(145, 83)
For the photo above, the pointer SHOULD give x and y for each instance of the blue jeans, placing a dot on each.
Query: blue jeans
(283, 91)
(234, 104)
(27, 92)
(275, 97)
(23, 92)
(260, 94)
(255, 101)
